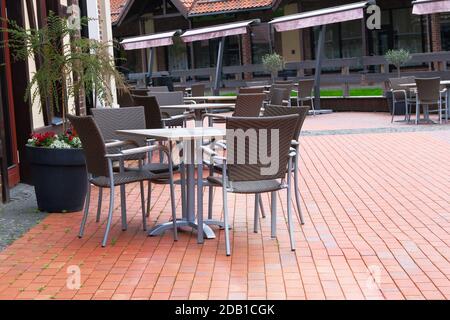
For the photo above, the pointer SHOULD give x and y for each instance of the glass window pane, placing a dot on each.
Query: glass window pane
(351, 38)
(407, 29)
(445, 31)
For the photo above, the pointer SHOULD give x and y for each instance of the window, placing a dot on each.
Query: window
(445, 31)
(351, 39)
(261, 40)
(407, 30)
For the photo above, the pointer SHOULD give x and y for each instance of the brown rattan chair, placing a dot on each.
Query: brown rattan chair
(285, 98)
(101, 173)
(401, 94)
(247, 105)
(134, 118)
(305, 93)
(198, 90)
(302, 112)
(429, 93)
(124, 98)
(246, 172)
(171, 98)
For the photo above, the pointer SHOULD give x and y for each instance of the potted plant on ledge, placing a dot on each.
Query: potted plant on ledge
(70, 67)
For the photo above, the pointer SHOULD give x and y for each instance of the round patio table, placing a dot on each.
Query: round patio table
(192, 156)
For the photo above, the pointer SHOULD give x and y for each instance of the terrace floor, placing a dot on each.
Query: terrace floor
(377, 208)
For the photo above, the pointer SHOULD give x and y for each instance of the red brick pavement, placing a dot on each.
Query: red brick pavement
(377, 210)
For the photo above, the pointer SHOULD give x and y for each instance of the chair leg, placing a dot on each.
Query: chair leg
(261, 207)
(417, 113)
(174, 212)
(110, 216)
(123, 206)
(393, 111)
(225, 219)
(144, 212)
(297, 193)
(99, 205)
(256, 217)
(274, 215)
(149, 198)
(210, 202)
(440, 111)
(86, 210)
(289, 212)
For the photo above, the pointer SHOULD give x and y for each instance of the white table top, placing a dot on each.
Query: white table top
(212, 98)
(176, 133)
(200, 106)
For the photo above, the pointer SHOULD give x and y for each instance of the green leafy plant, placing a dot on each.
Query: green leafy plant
(398, 58)
(69, 65)
(273, 63)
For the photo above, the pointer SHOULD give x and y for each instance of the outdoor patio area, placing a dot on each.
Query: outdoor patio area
(376, 202)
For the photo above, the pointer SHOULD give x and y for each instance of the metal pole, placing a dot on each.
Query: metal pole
(319, 58)
(219, 67)
(151, 58)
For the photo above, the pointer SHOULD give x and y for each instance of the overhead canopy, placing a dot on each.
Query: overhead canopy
(150, 41)
(220, 31)
(430, 6)
(321, 17)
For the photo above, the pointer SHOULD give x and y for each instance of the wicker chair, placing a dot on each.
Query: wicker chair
(129, 118)
(171, 98)
(401, 95)
(250, 177)
(247, 105)
(278, 97)
(124, 98)
(302, 112)
(101, 172)
(304, 93)
(429, 93)
(198, 90)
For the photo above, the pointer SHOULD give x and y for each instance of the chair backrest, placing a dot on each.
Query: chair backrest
(93, 144)
(139, 92)
(277, 96)
(246, 90)
(158, 89)
(395, 83)
(170, 98)
(124, 98)
(198, 90)
(178, 89)
(276, 111)
(305, 88)
(428, 89)
(249, 105)
(250, 142)
(111, 119)
(153, 118)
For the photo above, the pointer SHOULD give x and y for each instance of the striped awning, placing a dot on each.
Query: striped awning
(150, 41)
(430, 6)
(219, 31)
(321, 17)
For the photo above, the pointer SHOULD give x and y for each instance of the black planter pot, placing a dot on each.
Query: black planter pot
(59, 178)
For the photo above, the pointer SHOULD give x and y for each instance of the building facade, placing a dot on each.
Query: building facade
(399, 29)
(19, 118)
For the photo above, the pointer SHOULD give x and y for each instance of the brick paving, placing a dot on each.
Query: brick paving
(377, 209)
